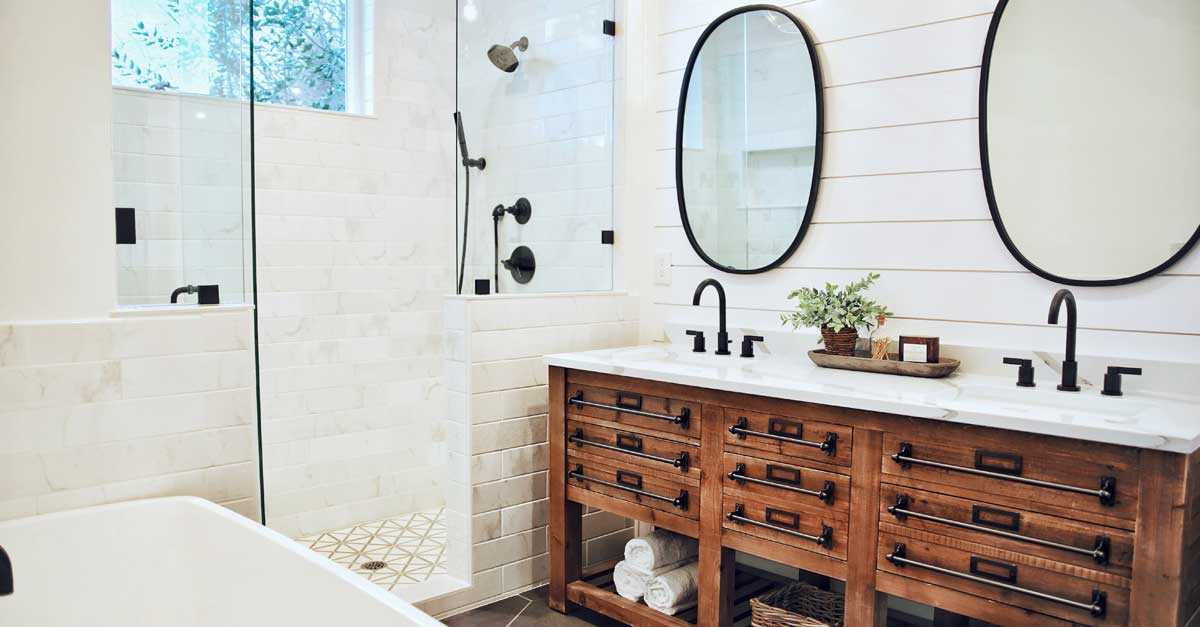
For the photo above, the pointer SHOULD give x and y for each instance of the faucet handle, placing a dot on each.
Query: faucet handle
(1112, 379)
(1024, 373)
(748, 344)
(698, 341)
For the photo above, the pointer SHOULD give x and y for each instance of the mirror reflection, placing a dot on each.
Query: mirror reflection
(1092, 158)
(748, 140)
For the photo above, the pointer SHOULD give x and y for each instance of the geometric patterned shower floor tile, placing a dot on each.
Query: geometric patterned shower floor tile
(402, 550)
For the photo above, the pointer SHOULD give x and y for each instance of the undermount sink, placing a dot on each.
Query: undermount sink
(1114, 409)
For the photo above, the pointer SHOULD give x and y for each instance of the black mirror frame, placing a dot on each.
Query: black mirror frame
(985, 166)
(818, 146)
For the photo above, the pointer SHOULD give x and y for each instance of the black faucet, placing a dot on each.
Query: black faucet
(1070, 368)
(722, 334)
(6, 575)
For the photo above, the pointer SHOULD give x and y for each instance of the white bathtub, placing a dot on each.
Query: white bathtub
(180, 562)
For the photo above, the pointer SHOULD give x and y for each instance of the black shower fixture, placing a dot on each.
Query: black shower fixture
(521, 264)
(467, 161)
(206, 294)
(505, 57)
(521, 211)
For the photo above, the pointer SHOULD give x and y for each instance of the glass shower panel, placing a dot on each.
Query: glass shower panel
(546, 131)
(181, 146)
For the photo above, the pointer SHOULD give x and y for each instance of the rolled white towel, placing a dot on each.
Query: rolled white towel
(674, 590)
(659, 548)
(631, 582)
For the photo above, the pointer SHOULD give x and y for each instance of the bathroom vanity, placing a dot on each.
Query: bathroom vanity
(1012, 505)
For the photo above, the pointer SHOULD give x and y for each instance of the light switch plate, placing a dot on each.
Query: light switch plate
(662, 268)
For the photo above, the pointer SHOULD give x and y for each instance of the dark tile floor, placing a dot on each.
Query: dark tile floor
(528, 610)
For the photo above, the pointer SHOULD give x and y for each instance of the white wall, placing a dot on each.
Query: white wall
(496, 382)
(56, 247)
(106, 410)
(546, 131)
(355, 251)
(902, 194)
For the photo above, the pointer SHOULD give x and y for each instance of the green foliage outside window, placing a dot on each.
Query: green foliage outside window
(203, 46)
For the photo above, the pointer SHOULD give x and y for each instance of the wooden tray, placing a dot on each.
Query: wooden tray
(884, 366)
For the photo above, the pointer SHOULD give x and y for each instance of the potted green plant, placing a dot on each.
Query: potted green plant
(839, 312)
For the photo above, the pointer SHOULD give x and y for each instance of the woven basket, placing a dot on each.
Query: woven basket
(840, 342)
(798, 605)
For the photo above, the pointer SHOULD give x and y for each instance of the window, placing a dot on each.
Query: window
(307, 53)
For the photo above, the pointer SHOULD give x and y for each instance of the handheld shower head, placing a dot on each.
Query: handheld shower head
(467, 161)
(505, 57)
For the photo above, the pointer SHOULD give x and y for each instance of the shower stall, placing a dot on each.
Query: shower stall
(535, 91)
(314, 163)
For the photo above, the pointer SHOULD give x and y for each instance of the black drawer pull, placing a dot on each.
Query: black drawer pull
(1097, 607)
(739, 475)
(628, 400)
(682, 462)
(1098, 552)
(1003, 463)
(829, 444)
(992, 569)
(825, 540)
(1107, 493)
(682, 419)
(680, 501)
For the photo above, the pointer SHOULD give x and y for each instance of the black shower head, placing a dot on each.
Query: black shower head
(505, 57)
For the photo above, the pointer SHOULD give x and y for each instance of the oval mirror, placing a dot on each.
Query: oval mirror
(1089, 122)
(748, 139)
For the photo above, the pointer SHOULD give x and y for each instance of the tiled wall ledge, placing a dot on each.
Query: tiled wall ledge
(97, 411)
(497, 393)
(181, 309)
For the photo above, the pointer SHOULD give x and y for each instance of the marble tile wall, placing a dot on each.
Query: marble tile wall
(108, 410)
(355, 251)
(497, 394)
(546, 131)
(182, 163)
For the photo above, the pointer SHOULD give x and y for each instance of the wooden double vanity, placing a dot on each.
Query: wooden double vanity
(1006, 525)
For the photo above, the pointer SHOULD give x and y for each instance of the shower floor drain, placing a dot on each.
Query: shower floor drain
(375, 565)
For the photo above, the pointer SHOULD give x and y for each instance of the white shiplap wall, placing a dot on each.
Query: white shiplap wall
(902, 194)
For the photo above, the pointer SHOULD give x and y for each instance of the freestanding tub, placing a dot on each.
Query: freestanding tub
(180, 562)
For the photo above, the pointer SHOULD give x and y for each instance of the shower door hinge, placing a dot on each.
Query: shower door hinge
(610, 28)
(126, 225)
(606, 237)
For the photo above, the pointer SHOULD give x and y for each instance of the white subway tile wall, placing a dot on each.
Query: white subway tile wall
(902, 194)
(182, 163)
(497, 431)
(355, 224)
(100, 411)
(546, 131)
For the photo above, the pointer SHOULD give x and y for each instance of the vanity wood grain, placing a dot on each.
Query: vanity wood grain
(1151, 525)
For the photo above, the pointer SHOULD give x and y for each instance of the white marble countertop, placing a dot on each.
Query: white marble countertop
(1154, 422)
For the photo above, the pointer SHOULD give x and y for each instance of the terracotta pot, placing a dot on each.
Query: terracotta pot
(840, 342)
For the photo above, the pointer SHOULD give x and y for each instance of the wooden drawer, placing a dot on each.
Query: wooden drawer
(640, 412)
(1086, 545)
(759, 477)
(1003, 576)
(1057, 475)
(660, 490)
(626, 447)
(788, 438)
(779, 521)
